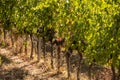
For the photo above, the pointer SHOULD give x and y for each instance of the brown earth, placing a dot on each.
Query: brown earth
(20, 67)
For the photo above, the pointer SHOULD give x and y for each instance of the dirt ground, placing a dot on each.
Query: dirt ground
(20, 67)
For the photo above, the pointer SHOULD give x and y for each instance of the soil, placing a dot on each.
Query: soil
(20, 67)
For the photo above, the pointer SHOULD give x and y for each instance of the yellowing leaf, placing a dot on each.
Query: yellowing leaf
(67, 21)
(119, 57)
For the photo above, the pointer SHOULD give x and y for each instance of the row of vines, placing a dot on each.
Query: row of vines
(90, 27)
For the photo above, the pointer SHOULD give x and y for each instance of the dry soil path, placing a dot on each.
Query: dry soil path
(22, 68)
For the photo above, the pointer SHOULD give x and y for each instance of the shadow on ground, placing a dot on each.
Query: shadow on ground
(13, 74)
(5, 60)
(97, 72)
